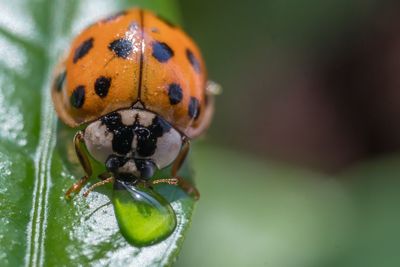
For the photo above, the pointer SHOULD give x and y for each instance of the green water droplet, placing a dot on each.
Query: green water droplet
(144, 217)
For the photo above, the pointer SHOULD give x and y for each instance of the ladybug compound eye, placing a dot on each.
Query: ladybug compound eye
(146, 168)
(130, 167)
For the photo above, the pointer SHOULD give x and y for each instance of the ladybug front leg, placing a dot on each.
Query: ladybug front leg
(187, 186)
(85, 163)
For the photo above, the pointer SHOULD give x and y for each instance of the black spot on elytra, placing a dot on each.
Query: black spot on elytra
(175, 93)
(83, 49)
(162, 52)
(77, 98)
(124, 134)
(60, 80)
(114, 16)
(194, 108)
(102, 85)
(121, 47)
(193, 60)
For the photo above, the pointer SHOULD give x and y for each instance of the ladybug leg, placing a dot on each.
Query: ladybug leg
(85, 163)
(187, 186)
(180, 159)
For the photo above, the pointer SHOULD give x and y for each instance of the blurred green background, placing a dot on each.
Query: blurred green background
(300, 167)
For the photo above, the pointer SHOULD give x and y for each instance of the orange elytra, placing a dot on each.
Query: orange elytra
(133, 58)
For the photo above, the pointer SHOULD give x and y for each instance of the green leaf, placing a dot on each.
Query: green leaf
(37, 163)
(374, 186)
(263, 213)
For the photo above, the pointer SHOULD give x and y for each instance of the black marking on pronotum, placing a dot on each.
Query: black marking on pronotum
(193, 60)
(112, 121)
(77, 98)
(60, 80)
(175, 93)
(102, 85)
(161, 51)
(83, 49)
(121, 47)
(114, 16)
(122, 140)
(147, 136)
(194, 108)
(124, 134)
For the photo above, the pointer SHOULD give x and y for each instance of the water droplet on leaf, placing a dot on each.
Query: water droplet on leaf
(144, 216)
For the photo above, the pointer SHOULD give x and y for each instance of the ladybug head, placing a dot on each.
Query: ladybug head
(133, 143)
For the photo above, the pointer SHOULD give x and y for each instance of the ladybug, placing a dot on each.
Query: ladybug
(138, 85)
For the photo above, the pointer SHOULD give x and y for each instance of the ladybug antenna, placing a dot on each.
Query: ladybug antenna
(171, 181)
(106, 181)
(182, 183)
